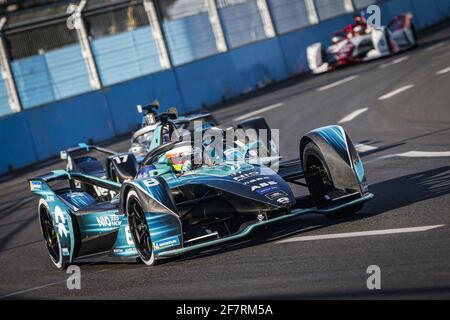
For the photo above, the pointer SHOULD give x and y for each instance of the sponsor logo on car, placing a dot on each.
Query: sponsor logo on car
(168, 242)
(60, 222)
(253, 181)
(35, 185)
(151, 182)
(108, 221)
(276, 194)
(245, 176)
(283, 200)
(263, 185)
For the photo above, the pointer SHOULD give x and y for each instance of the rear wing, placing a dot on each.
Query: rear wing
(82, 149)
(39, 185)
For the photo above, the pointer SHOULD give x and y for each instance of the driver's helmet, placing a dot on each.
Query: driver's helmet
(178, 158)
(336, 39)
(357, 18)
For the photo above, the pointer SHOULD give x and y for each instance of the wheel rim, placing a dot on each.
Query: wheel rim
(139, 229)
(50, 235)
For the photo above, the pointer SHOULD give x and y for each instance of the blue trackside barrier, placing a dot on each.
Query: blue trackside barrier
(41, 132)
(28, 137)
(198, 85)
(51, 76)
(259, 64)
(294, 44)
(17, 142)
(78, 119)
(135, 50)
(123, 98)
(241, 70)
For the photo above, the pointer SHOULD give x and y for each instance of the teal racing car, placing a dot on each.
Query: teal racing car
(169, 203)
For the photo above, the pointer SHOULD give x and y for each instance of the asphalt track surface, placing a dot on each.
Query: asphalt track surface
(407, 144)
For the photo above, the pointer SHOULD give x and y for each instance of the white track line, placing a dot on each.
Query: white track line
(337, 83)
(412, 154)
(437, 45)
(353, 115)
(443, 71)
(393, 62)
(47, 285)
(364, 147)
(419, 154)
(361, 234)
(254, 113)
(395, 92)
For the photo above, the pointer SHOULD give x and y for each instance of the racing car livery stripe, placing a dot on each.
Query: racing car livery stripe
(335, 136)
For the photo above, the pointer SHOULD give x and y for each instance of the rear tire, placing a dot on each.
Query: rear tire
(414, 34)
(320, 182)
(139, 229)
(387, 36)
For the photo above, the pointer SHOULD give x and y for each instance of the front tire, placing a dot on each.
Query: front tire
(320, 182)
(317, 175)
(139, 229)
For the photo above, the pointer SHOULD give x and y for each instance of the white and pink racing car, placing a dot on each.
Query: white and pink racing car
(361, 42)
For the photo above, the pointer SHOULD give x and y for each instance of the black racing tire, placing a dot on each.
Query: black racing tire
(321, 183)
(318, 184)
(414, 33)
(388, 40)
(324, 54)
(49, 232)
(139, 229)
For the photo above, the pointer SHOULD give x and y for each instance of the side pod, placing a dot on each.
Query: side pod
(341, 157)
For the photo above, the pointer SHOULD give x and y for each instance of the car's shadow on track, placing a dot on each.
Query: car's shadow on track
(431, 42)
(406, 190)
(389, 195)
(381, 147)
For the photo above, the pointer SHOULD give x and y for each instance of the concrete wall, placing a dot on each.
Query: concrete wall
(39, 133)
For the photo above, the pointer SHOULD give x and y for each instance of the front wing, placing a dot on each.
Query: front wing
(294, 213)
